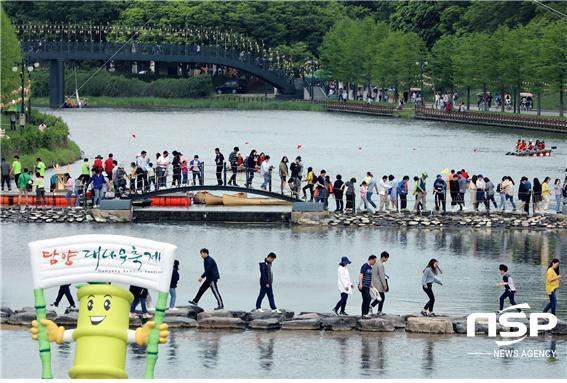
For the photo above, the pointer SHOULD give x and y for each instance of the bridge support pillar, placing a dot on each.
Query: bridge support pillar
(56, 83)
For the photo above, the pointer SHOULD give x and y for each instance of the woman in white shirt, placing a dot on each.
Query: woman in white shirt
(345, 286)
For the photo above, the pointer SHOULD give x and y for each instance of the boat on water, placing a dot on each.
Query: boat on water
(233, 200)
(533, 153)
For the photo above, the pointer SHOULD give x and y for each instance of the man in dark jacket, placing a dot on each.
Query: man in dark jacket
(233, 159)
(266, 280)
(210, 276)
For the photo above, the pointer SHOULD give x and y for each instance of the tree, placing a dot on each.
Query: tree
(10, 48)
(441, 67)
(554, 59)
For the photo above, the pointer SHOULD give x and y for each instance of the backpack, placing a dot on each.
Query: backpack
(401, 188)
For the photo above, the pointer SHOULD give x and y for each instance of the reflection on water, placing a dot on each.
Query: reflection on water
(468, 258)
(308, 354)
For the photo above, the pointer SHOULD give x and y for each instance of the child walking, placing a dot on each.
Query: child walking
(509, 287)
(427, 279)
(345, 286)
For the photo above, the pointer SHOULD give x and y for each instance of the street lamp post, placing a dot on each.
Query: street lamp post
(21, 67)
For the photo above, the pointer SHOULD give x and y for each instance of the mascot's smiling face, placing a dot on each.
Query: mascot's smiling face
(103, 307)
(98, 308)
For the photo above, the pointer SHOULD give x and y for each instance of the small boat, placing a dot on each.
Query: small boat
(232, 200)
(532, 153)
(210, 199)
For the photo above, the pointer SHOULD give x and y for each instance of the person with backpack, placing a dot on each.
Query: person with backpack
(379, 286)
(429, 277)
(403, 189)
(344, 285)
(439, 190)
(509, 287)
(140, 296)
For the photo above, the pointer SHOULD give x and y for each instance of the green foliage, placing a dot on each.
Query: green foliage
(10, 48)
(53, 144)
(114, 85)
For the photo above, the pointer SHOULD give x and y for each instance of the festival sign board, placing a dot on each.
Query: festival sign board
(101, 258)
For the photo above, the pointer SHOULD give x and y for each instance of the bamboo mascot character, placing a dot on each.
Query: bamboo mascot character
(102, 332)
(103, 320)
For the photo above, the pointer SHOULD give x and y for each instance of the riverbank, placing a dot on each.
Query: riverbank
(218, 102)
(187, 317)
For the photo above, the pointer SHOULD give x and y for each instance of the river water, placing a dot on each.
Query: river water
(305, 270)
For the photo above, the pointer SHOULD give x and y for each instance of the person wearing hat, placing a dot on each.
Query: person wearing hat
(420, 194)
(345, 286)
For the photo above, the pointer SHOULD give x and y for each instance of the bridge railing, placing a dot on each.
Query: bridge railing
(158, 179)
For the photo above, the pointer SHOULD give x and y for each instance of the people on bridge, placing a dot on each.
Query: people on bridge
(338, 190)
(219, 162)
(266, 173)
(195, 165)
(233, 160)
(209, 278)
(284, 173)
(310, 179)
(250, 164)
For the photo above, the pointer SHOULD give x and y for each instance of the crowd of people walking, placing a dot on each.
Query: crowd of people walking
(372, 283)
(109, 179)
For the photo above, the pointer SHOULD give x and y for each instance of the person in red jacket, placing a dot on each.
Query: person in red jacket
(109, 166)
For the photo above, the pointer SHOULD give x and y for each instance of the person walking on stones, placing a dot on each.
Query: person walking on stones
(379, 286)
(364, 283)
(509, 287)
(552, 278)
(296, 170)
(140, 296)
(5, 167)
(427, 279)
(64, 290)
(233, 160)
(209, 278)
(266, 284)
(345, 286)
(440, 191)
(403, 190)
(219, 162)
(338, 190)
(525, 193)
(350, 196)
(420, 194)
(173, 285)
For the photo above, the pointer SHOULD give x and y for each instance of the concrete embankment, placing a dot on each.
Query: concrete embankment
(194, 317)
(406, 219)
(433, 219)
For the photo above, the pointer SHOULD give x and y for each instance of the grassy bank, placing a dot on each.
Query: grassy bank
(221, 102)
(53, 145)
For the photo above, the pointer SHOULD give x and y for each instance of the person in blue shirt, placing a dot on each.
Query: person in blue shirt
(209, 278)
(98, 181)
(440, 191)
(364, 283)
